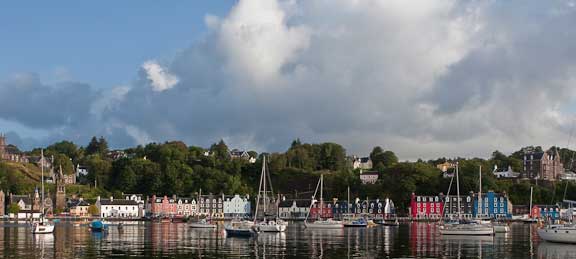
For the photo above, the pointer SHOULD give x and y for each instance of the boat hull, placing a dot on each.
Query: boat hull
(271, 228)
(200, 225)
(43, 229)
(567, 236)
(316, 225)
(467, 230)
(501, 229)
(239, 232)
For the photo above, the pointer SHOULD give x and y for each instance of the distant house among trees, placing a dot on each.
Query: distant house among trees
(505, 172)
(364, 163)
(11, 152)
(542, 165)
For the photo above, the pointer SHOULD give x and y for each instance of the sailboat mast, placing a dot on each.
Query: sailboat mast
(348, 205)
(265, 199)
(458, 190)
(530, 202)
(480, 190)
(42, 170)
(321, 194)
(259, 190)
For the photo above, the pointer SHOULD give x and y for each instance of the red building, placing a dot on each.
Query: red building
(426, 207)
(326, 210)
(158, 206)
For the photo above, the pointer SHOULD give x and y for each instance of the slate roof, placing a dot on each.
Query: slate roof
(118, 202)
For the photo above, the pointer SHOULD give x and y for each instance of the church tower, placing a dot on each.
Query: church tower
(60, 191)
(2, 146)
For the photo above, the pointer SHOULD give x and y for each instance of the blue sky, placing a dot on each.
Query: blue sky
(100, 42)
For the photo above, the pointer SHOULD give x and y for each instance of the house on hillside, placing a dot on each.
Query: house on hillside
(364, 163)
(505, 173)
(542, 165)
(369, 177)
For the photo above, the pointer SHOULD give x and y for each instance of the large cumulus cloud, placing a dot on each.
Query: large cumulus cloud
(424, 78)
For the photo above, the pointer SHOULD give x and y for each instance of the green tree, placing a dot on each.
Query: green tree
(13, 208)
(93, 210)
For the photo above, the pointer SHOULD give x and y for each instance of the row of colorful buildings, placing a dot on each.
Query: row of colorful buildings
(488, 205)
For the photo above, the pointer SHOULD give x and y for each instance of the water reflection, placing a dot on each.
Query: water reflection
(547, 250)
(152, 240)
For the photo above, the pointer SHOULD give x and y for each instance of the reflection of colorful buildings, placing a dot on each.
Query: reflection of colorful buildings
(423, 238)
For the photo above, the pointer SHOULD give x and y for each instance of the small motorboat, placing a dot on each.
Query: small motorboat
(240, 229)
(98, 226)
(272, 226)
(468, 229)
(203, 223)
(392, 223)
(357, 223)
(42, 227)
(501, 228)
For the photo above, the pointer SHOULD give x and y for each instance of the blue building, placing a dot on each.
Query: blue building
(492, 205)
(551, 212)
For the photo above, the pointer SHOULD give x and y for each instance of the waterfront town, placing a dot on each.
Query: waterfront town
(543, 166)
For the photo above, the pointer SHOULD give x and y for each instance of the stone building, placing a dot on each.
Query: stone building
(10, 152)
(543, 165)
(60, 197)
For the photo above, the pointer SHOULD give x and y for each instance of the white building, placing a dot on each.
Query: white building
(236, 206)
(369, 177)
(186, 207)
(138, 198)
(81, 171)
(293, 209)
(117, 208)
(507, 173)
(364, 163)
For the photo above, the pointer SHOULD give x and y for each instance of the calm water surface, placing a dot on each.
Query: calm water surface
(165, 240)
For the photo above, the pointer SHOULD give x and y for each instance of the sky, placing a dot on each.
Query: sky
(424, 78)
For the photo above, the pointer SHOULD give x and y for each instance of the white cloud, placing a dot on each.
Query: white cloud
(159, 78)
(424, 78)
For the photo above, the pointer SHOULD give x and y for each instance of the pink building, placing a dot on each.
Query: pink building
(170, 206)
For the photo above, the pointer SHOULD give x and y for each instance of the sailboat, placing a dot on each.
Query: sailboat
(529, 218)
(465, 228)
(320, 223)
(43, 226)
(352, 221)
(276, 225)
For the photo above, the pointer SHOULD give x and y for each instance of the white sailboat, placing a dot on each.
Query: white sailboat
(43, 226)
(529, 218)
(320, 223)
(465, 228)
(275, 225)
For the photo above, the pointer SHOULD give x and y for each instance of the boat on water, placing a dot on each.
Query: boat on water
(357, 223)
(240, 228)
(501, 228)
(321, 223)
(203, 223)
(98, 226)
(558, 233)
(462, 227)
(392, 223)
(468, 229)
(43, 226)
(265, 187)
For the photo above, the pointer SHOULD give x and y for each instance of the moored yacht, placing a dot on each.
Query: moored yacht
(265, 186)
(558, 233)
(43, 226)
(320, 223)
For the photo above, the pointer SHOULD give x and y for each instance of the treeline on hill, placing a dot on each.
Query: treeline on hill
(175, 168)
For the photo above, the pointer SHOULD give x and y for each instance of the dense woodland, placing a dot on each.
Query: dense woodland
(175, 168)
